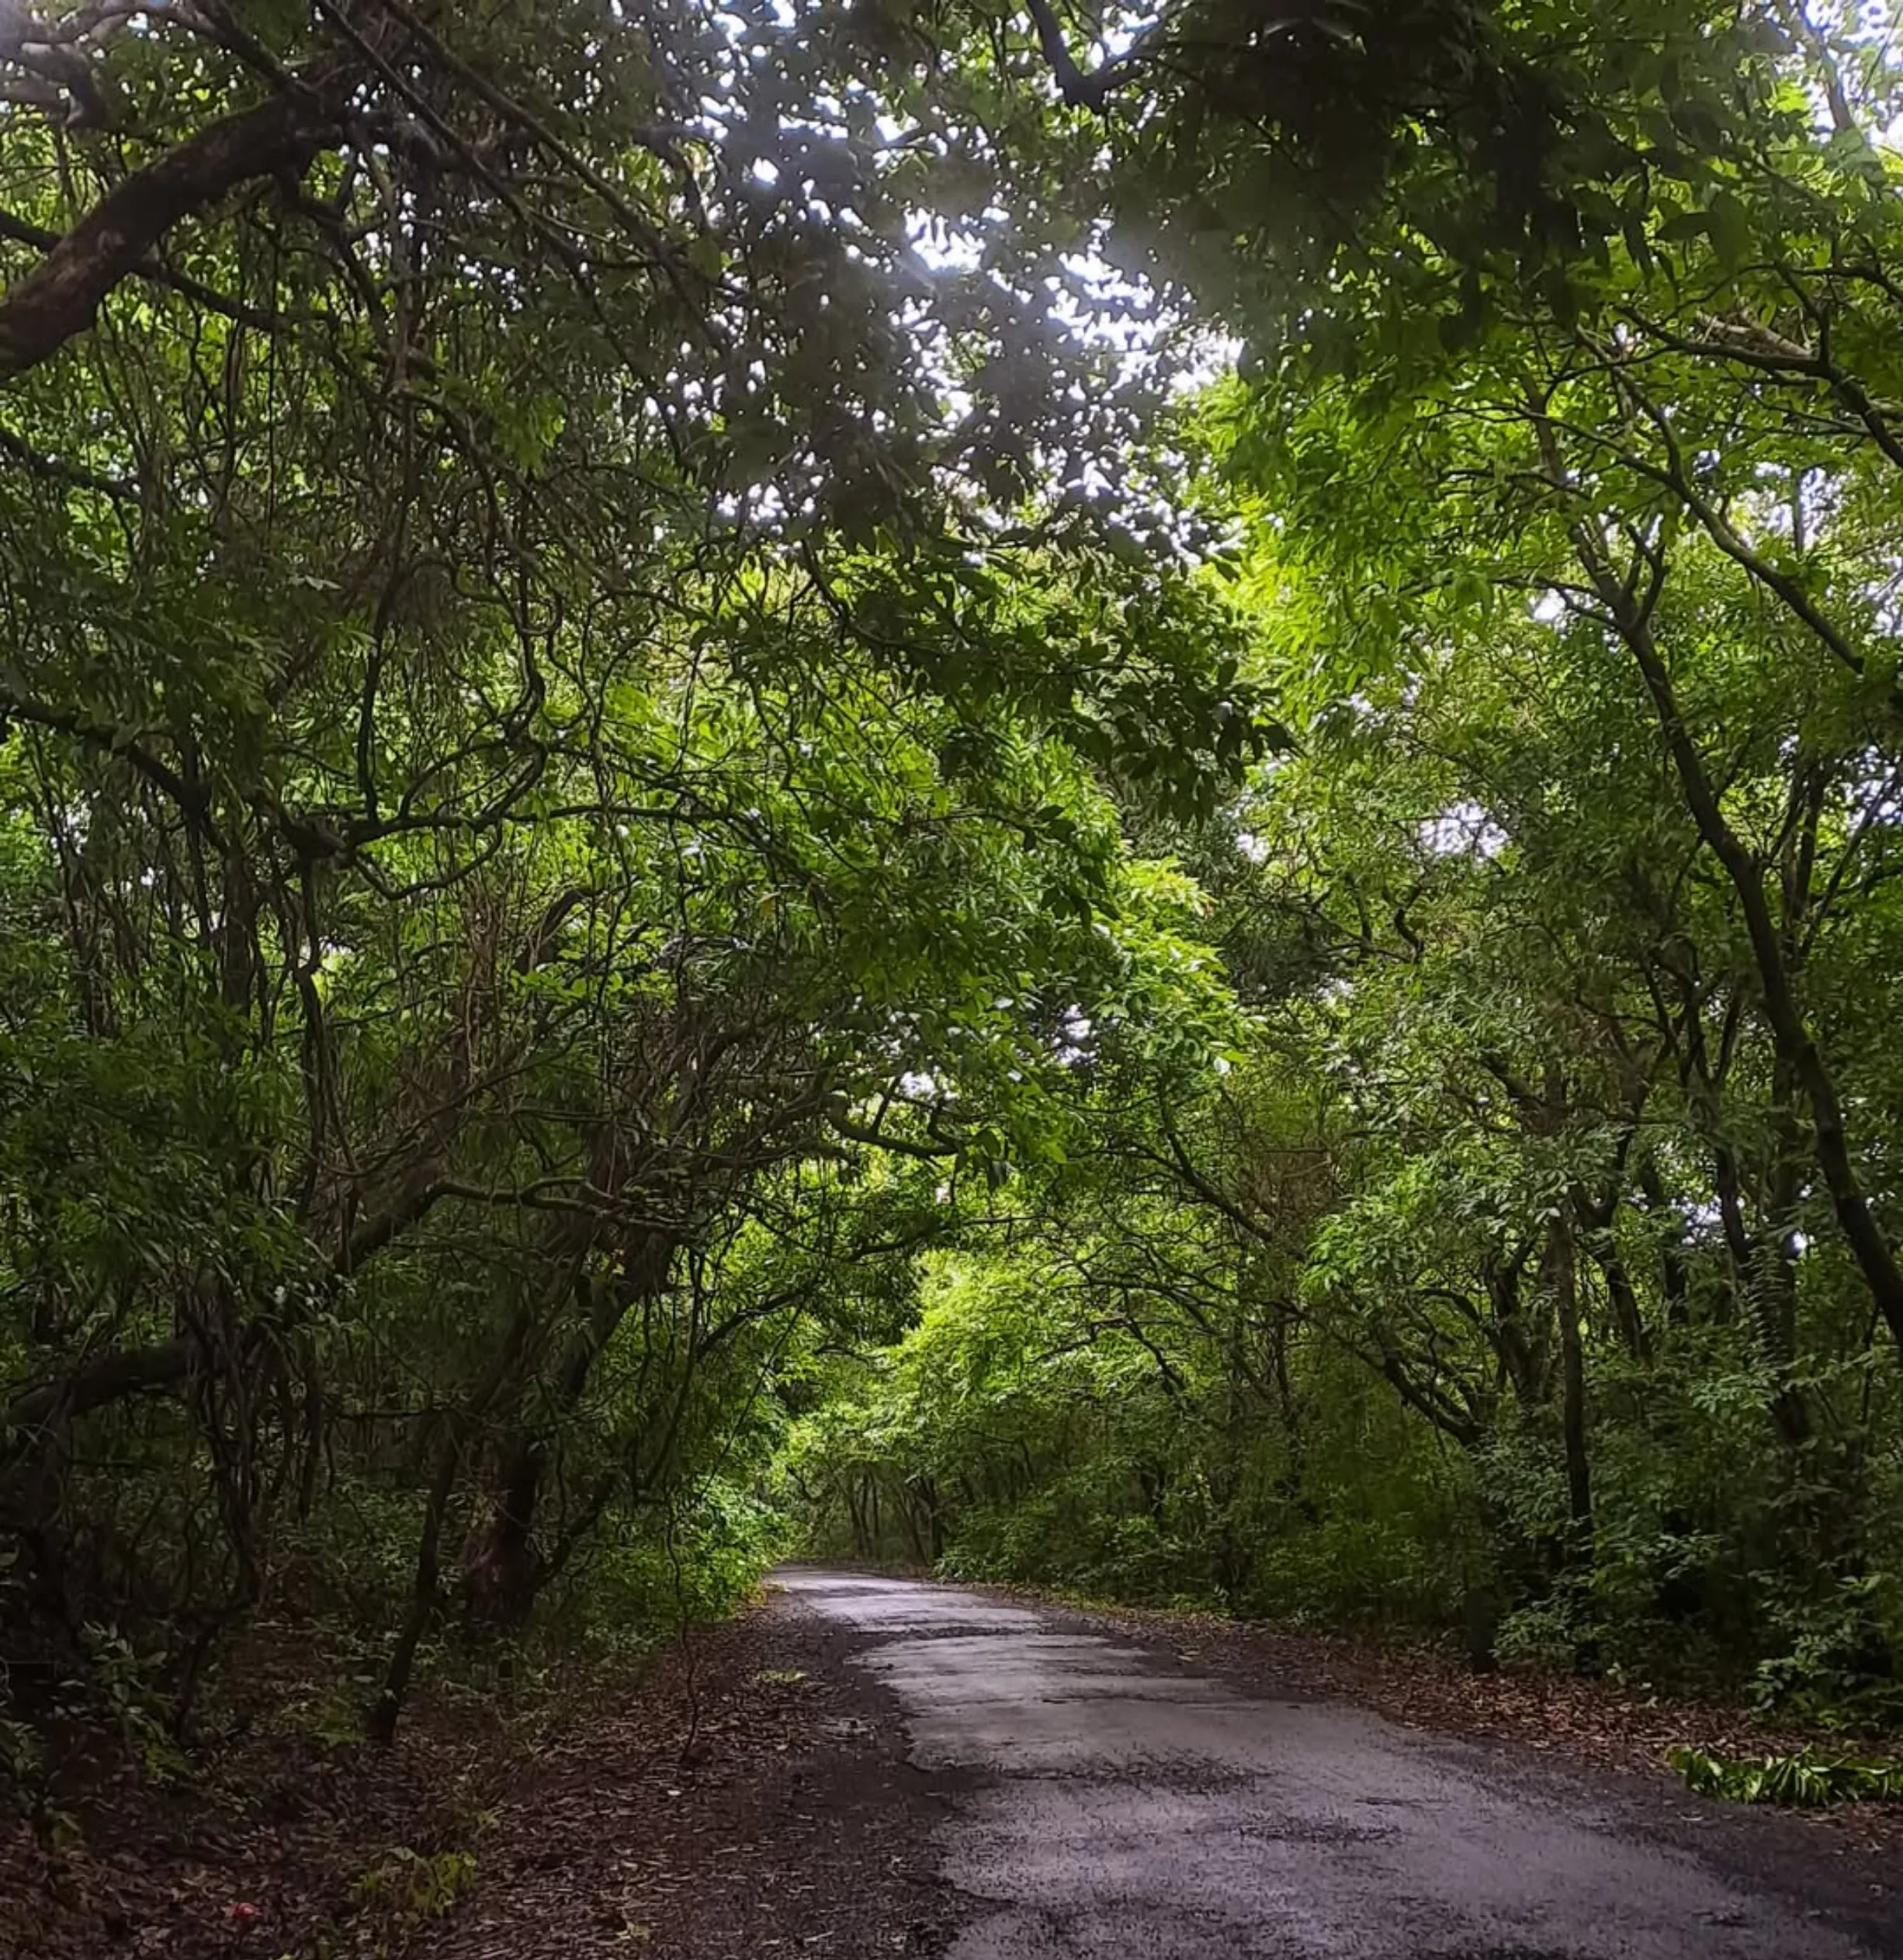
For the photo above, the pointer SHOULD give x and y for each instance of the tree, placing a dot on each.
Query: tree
(1558, 468)
(552, 672)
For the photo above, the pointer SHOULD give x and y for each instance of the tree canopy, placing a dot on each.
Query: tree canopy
(1108, 796)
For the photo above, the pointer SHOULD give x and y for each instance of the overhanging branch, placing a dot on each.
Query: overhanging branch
(61, 298)
(1080, 90)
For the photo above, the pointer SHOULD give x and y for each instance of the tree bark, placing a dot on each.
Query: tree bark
(61, 298)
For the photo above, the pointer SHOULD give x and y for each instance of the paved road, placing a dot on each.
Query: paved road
(1107, 1805)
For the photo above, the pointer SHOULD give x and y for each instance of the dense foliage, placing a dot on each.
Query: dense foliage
(527, 739)
(1533, 1270)
(703, 819)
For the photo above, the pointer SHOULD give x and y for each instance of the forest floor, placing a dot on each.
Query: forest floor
(746, 1796)
(751, 1794)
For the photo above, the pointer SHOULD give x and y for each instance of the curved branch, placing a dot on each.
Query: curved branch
(108, 1378)
(1080, 90)
(192, 797)
(61, 298)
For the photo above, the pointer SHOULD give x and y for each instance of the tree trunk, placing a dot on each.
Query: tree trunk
(1674, 1278)
(1598, 1233)
(425, 1590)
(1561, 1275)
(1796, 1046)
(504, 1569)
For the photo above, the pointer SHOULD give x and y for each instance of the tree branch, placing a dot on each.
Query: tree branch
(61, 298)
(1080, 90)
(193, 799)
(124, 1372)
(155, 272)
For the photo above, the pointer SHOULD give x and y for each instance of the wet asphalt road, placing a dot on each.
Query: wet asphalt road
(1107, 1804)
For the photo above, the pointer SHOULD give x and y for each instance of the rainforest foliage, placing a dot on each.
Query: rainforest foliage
(1105, 798)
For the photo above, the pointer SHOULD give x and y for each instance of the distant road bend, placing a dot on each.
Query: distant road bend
(1109, 1803)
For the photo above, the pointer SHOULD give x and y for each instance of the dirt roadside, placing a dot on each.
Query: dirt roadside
(748, 1796)
(762, 1805)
